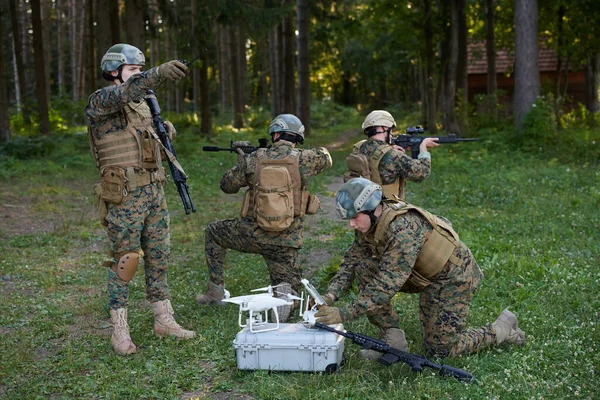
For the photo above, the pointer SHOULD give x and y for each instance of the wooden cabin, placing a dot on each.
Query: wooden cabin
(548, 64)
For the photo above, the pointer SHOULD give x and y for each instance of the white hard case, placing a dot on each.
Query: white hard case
(292, 347)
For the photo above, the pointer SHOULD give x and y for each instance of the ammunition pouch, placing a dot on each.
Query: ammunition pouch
(113, 185)
(312, 204)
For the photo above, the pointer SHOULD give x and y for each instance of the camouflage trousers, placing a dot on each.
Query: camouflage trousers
(444, 308)
(141, 221)
(234, 234)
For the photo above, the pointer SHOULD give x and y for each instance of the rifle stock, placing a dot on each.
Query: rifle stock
(391, 355)
(179, 177)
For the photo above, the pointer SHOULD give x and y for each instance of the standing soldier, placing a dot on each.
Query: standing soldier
(271, 221)
(376, 159)
(133, 207)
(403, 248)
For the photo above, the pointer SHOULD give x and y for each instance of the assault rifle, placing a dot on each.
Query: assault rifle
(392, 355)
(410, 139)
(262, 144)
(177, 172)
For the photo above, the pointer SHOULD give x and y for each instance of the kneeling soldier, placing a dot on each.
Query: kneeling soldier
(399, 247)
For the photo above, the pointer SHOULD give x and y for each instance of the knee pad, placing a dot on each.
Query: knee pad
(127, 264)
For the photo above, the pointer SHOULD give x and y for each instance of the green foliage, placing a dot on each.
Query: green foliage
(29, 147)
(539, 124)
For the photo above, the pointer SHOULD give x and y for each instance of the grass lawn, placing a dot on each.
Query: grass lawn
(531, 221)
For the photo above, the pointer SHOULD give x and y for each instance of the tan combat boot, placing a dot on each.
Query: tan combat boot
(394, 337)
(120, 339)
(214, 294)
(165, 324)
(507, 330)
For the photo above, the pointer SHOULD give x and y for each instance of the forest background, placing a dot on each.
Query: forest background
(524, 197)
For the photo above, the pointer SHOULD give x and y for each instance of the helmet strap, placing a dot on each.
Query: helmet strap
(388, 135)
(373, 218)
(119, 76)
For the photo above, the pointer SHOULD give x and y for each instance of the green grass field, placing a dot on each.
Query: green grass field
(531, 221)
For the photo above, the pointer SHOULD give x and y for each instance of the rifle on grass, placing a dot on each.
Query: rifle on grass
(410, 139)
(392, 355)
(244, 146)
(177, 172)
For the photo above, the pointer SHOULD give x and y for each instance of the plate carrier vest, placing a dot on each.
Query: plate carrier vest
(437, 249)
(136, 149)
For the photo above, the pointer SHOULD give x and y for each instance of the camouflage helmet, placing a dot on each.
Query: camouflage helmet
(379, 118)
(287, 123)
(357, 195)
(121, 54)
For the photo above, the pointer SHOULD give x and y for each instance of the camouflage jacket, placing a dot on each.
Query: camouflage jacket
(312, 162)
(397, 165)
(389, 273)
(105, 111)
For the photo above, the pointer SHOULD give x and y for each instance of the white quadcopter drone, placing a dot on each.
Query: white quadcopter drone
(257, 304)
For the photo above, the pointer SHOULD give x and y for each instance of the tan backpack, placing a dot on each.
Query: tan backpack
(277, 194)
(361, 166)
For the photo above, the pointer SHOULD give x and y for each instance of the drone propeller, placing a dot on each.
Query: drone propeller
(244, 299)
(268, 288)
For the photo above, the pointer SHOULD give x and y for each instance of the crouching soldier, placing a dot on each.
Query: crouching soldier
(399, 247)
(272, 214)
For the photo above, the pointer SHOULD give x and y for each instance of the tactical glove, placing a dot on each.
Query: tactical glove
(329, 315)
(170, 129)
(172, 70)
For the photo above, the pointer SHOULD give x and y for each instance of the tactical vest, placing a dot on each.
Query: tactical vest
(135, 149)
(437, 249)
(360, 165)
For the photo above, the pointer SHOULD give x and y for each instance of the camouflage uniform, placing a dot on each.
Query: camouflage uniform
(279, 249)
(396, 165)
(382, 272)
(141, 221)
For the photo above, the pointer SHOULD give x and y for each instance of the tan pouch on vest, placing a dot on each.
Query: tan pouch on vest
(246, 203)
(313, 204)
(102, 208)
(274, 201)
(114, 185)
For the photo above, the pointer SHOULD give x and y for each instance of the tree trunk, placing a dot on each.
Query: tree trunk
(60, 55)
(262, 67)
(135, 24)
(103, 35)
(448, 100)
(490, 49)
(303, 65)
(40, 67)
(4, 117)
(242, 37)
(19, 60)
(429, 68)
(527, 77)
(224, 46)
(462, 82)
(289, 84)
(238, 111)
(205, 115)
(91, 61)
(592, 81)
(274, 63)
